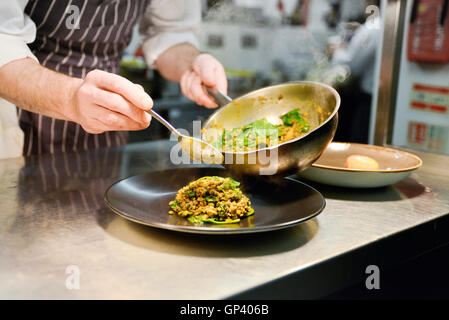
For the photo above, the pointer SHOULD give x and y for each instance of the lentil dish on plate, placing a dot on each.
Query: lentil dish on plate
(212, 199)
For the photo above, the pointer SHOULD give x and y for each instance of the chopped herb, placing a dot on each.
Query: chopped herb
(174, 204)
(233, 182)
(196, 219)
(210, 198)
(290, 117)
(212, 220)
(190, 193)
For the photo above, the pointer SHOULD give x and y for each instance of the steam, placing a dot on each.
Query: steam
(227, 12)
(302, 59)
(323, 70)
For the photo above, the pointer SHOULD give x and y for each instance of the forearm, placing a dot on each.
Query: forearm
(35, 88)
(174, 61)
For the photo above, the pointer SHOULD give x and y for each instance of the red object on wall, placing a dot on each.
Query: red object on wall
(417, 132)
(439, 105)
(428, 38)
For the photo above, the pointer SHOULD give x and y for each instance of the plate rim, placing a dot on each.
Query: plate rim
(412, 168)
(212, 231)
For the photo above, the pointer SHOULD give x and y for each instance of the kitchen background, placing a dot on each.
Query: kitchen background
(267, 42)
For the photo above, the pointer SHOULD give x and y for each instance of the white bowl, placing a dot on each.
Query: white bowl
(394, 165)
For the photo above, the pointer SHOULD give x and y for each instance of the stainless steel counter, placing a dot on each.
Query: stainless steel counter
(52, 216)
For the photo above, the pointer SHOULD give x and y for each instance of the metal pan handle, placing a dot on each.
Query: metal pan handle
(220, 98)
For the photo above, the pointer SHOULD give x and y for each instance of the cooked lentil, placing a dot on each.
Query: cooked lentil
(212, 199)
(261, 133)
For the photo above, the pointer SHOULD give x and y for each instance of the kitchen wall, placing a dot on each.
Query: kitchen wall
(422, 102)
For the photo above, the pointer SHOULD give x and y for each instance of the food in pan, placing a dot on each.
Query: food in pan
(357, 161)
(262, 133)
(212, 199)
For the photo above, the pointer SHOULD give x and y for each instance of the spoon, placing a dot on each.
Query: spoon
(198, 150)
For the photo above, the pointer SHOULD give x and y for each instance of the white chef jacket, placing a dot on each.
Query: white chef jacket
(360, 54)
(165, 23)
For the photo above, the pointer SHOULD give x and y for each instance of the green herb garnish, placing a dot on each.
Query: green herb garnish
(196, 219)
(174, 204)
(190, 193)
(210, 198)
(215, 221)
(290, 117)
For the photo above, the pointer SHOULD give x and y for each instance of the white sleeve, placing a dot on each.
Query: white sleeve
(166, 23)
(16, 30)
(360, 51)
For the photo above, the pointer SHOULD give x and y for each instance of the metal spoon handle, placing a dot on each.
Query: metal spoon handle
(189, 145)
(220, 98)
(164, 122)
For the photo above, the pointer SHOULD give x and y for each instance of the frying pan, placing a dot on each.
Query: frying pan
(319, 100)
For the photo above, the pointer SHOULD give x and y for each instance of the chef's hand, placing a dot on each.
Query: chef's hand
(206, 71)
(108, 102)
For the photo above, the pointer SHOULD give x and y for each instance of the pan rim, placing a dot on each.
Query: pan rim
(331, 116)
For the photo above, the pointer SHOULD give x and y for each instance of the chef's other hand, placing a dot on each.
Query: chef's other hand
(206, 71)
(108, 102)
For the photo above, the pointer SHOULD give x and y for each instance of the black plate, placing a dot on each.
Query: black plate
(277, 203)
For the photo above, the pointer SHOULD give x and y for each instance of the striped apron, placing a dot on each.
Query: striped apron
(105, 29)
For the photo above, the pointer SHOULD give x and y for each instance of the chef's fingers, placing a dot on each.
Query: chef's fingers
(204, 67)
(114, 121)
(183, 83)
(122, 86)
(200, 95)
(187, 81)
(94, 126)
(190, 78)
(211, 72)
(221, 80)
(192, 89)
(116, 102)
